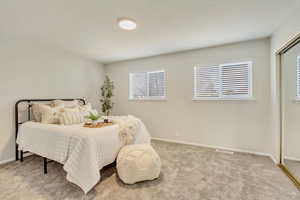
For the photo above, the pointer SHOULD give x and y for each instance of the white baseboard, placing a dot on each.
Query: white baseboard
(13, 159)
(292, 158)
(274, 159)
(194, 144)
(6, 161)
(217, 147)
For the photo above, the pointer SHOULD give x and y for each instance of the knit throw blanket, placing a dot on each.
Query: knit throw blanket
(129, 127)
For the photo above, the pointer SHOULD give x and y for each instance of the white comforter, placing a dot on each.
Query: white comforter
(82, 151)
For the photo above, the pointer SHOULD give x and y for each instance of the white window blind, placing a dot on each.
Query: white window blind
(147, 85)
(138, 85)
(207, 82)
(298, 77)
(226, 81)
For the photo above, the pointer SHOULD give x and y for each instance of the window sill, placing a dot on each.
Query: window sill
(226, 99)
(148, 99)
(297, 100)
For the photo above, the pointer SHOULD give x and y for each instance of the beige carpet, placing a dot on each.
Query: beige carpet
(294, 167)
(188, 173)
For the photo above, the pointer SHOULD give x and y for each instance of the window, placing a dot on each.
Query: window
(226, 81)
(298, 77)
(147, 85)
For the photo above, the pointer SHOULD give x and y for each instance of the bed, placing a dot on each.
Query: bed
(82, 151)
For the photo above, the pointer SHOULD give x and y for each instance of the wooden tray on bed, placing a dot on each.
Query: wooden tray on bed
(98, 125)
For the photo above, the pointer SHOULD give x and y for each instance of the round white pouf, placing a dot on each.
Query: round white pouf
(138, 162)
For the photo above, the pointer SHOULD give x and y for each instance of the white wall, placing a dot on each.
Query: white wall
(30, 70)
(232, 124)
(280, 37)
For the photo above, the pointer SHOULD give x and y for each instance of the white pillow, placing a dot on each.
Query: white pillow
(66, 104)
(86, 109)
(75, 109)
(69, 117)
(50, 115)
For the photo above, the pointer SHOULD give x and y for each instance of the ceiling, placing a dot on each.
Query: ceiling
(88, 27)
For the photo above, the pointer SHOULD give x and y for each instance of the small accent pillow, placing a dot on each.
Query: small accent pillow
(69, 117)
(50, 115)
(66, 104)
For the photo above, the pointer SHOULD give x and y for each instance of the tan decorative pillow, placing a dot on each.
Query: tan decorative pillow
(50, 115)
(37, 115)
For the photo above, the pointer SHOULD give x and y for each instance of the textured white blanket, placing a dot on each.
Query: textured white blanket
(82, 151)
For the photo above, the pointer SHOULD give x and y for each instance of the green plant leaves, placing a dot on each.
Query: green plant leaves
(106, 95)
(93, 117)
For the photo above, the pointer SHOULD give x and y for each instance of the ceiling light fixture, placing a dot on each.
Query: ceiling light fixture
(127, 24)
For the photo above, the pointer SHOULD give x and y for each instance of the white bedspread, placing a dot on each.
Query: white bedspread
(82, 151)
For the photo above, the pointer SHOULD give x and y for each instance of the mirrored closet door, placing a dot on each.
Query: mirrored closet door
(290, 108)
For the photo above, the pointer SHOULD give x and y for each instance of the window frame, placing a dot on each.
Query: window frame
(226, 97)
(148, 98)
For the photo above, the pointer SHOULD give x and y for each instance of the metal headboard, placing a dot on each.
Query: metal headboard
(29, 105)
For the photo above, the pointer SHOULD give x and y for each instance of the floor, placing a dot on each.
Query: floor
(294, 167)
(188, 173)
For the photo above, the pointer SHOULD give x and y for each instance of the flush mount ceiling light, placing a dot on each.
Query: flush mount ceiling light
(127, 24)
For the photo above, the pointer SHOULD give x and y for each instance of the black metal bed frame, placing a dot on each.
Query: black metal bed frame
(17, 124)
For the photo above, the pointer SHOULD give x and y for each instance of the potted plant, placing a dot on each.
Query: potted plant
(106, 95)
(93, 118)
